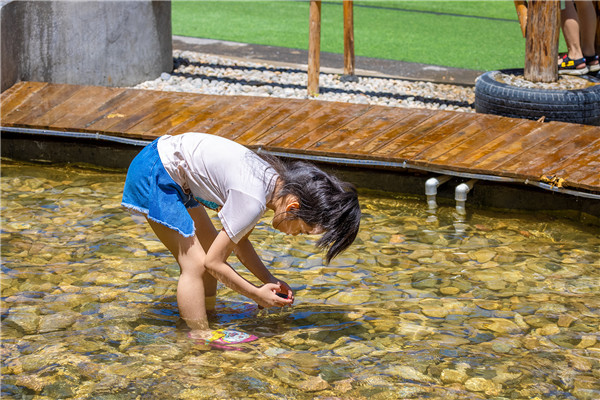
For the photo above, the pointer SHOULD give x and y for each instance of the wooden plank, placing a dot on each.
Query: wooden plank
(207, 118)
(588, 175)
(332, 125)
(190, 117)
(16, 95)
(176, 122)
(129, 113)
(504, 147)
(575, 156)
(319, 125)
(13, 90)
(586, 160)
(450, 140)
(476, 135)
(154, 105)
(279, 122)
(173, 105)
(395, 147)
(590, 181)
(269, 117)
(76, 117)
(350, 136)
(378, 140)
(585, 173)
(579, 147)
(428, 138)
(544, 157)
(426, 156)
(102, 111)
(232, 118)
(251, 117)
(39, 103)
(84, 99)
(475, 143)
(519, 147)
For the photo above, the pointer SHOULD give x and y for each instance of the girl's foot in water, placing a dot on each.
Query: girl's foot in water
(223, 338)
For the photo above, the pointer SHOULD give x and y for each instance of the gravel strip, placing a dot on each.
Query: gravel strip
(207, 74)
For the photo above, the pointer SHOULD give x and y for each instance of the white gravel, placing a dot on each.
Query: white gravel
(208, 74)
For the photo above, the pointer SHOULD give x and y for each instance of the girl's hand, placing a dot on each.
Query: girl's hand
(267, 295)
(286, 290)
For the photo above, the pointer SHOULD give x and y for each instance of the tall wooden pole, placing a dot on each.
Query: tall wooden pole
(521, 7)
(348, 37)
(541, 37)
(314, 48)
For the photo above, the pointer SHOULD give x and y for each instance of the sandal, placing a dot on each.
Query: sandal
(593, 63)
(573, 67)
(561, 58)
(225, 338)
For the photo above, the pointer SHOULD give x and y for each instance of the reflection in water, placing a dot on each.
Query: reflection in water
(506, 308)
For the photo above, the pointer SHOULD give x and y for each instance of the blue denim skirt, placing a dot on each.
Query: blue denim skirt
(150, 191)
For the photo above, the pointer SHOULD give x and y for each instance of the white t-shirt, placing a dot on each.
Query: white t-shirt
(223, 172)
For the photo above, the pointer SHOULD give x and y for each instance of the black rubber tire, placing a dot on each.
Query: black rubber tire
(575, 106)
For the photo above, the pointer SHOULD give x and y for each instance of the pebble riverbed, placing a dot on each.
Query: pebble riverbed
(491, 305)
(208, 74)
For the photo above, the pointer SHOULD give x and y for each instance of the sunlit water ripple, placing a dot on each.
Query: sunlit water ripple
(416, 308)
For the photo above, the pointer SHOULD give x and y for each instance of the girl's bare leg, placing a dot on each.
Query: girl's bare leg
(190, 289)
(206, 234)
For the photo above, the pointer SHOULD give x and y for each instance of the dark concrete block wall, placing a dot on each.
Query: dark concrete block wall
(107, 43)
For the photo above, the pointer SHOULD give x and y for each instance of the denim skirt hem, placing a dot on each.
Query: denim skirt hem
(150, 191)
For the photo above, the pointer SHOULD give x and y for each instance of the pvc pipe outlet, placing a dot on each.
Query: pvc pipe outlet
(431, 186)
(460, 194)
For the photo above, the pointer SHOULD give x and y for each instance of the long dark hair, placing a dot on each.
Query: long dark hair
(325, 202)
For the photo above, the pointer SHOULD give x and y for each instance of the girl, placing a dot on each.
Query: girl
(171, 177)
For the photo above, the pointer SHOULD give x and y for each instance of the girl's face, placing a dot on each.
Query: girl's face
(295, 226)
(285, 221)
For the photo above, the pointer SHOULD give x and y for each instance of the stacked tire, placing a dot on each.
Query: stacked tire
(580, 106)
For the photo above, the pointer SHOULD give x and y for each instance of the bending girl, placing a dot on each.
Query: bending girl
(172, 177)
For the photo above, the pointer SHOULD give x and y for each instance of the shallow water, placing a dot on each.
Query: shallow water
(501, 306)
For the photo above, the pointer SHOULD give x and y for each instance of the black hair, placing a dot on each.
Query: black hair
(325, 202)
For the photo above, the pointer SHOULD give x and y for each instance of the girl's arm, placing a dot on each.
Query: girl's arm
(216, 263)
(247, 255)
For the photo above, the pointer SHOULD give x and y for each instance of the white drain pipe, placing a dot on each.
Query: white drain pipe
(460, 195)
(431, 186)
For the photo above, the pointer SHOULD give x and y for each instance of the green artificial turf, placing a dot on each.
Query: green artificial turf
(481, 35)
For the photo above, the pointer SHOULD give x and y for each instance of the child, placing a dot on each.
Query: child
(171, 177)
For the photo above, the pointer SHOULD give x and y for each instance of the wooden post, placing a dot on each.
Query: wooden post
(348, 38)
(314, 48)
(541, 48)
(521, 7)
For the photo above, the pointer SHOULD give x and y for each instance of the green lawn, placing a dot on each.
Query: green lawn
(482, 35)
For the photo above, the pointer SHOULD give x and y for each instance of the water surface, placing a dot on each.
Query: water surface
(502, 306)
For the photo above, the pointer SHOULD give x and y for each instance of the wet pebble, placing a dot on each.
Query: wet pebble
(408, 373)
(89, 308)
(55, 322)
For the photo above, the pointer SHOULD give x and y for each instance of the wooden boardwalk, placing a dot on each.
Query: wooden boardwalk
(463, 143)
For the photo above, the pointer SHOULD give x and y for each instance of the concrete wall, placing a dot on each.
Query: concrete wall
(107, 43)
